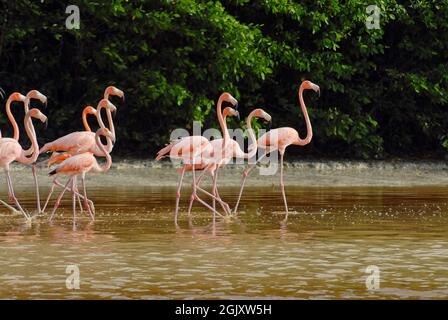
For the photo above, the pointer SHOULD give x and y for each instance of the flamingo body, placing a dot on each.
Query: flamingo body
(10, 151)
(76, 143)
(77, 164)
(278, 139)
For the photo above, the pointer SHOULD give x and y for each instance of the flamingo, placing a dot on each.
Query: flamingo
(10, 149)
(279, 139)
(33, 94)
(81, 142)
(193, 150)
(232, 150)
(57, 157)
(221, 155)
(79, 165)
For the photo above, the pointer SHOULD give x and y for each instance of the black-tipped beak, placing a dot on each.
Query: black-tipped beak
(238, 116)
(124, 100)
(318, 92)
(46, 125)
(2, 93)
(45, 104)
(236, 107)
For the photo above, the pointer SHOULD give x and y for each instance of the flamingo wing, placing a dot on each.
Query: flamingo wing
(10, 150)
(76, 164)
(74, 143)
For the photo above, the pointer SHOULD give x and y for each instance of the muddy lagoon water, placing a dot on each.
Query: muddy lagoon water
(326, 250)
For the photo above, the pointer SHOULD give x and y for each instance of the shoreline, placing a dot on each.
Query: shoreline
(149, 173)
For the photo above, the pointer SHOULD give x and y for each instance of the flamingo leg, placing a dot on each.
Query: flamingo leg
(178, 194)
(216, 195)
(74, 201)
(76, 193)
(36, 185)
(13, 196)
(282, 185)
(223, 204)
(86, 201)
(55, 182)
(58, 201)
(201, 176)
(245, 175)
(196, 197)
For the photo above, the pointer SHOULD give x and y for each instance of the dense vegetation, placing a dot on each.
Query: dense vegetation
(384, 91)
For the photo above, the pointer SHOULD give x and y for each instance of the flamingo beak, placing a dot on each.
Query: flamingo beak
(2, 93)
(318, 92)
(237, 115)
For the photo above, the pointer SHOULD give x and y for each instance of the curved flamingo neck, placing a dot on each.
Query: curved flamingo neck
(29, 127)
(108, 163)
(99, 118)
(111, 122)
(29, 151)
(12, 120)
(251, 153)
(309, 129)
(222, 122)
(109, 119)
(85, 122)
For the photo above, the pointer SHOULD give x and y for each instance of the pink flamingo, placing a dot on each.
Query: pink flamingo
(79, 165)
(193, 150)
(10, 149)
(33, 94)
(218, 157)
(232, 150)
(279, 139)
(57, 157)
(81, 142)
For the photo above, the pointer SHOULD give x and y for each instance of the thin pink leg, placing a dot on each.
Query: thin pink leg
(197, 186)
(12, 195)
(58, 200)
(196, 197)
(282, 185)
(36, 184)
(245, 175)
(86, 200)
(55, 182)
(223, 204)
(91, 205)
(178, 194)
(74, 201)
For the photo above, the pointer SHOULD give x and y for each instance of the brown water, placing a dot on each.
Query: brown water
(133, 249)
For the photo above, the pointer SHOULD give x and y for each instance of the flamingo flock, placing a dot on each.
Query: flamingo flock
(75, 154)
(199, 154)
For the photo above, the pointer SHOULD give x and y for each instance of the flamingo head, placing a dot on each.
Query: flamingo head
(229, 98)
(260, 113)
(36, 113)
(106, 133)
(90, 110)
(308, 85)
(34, 94)
(16, 97)
(113, 91)
(106, 104)
(231, 112)
(2, 93)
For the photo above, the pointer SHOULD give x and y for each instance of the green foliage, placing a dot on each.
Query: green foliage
(385, 91)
